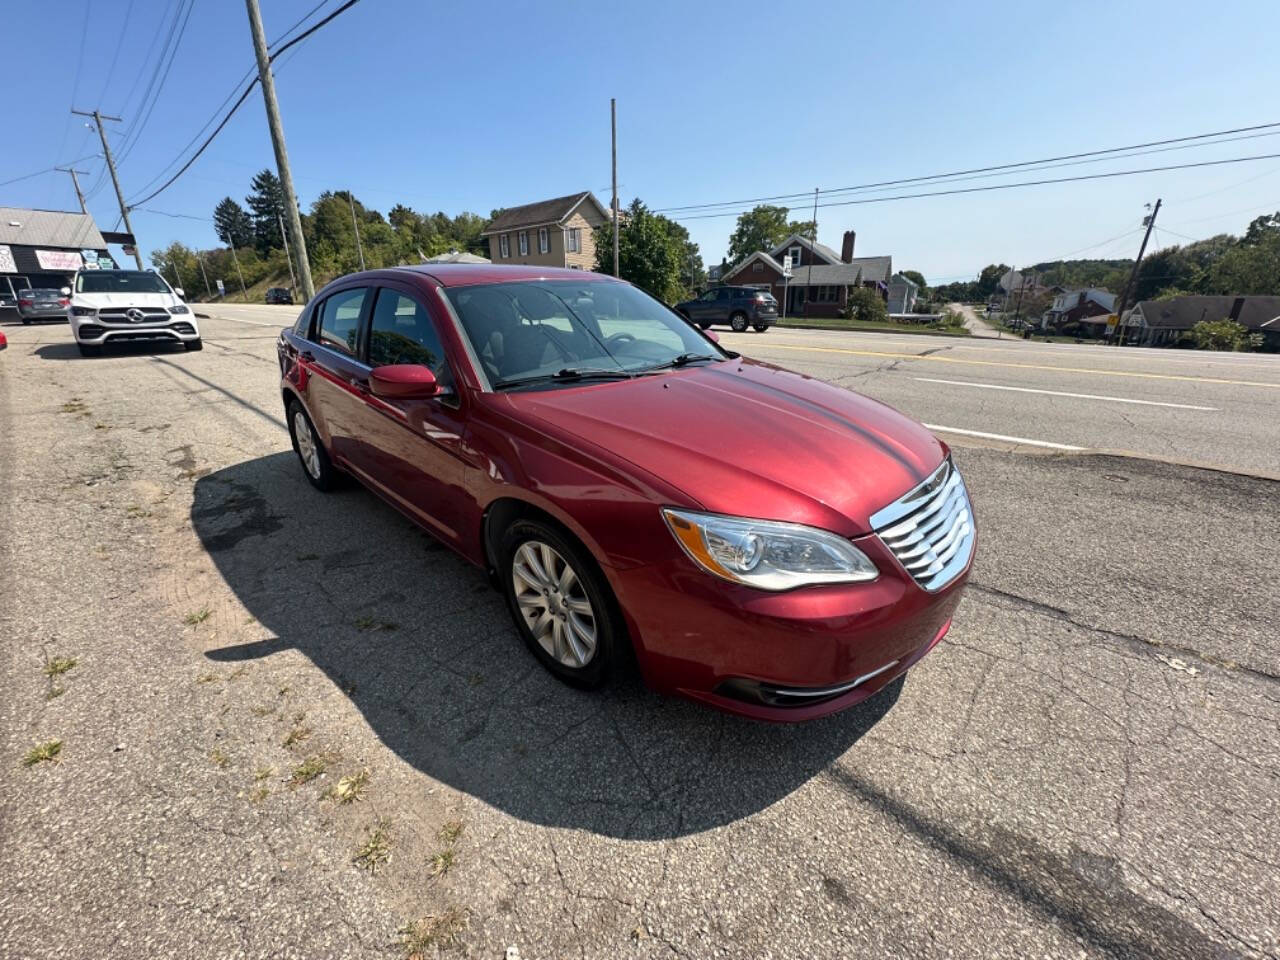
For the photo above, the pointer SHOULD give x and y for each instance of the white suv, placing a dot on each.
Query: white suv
(110, 306)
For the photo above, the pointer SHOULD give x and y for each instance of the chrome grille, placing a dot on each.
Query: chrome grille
(930, 530)
(144, 315)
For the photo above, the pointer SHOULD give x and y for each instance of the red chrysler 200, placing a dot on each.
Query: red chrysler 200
(762, 541)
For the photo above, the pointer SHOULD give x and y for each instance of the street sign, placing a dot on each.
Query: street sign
(1112, 320)
(786, 265)
(222, 289)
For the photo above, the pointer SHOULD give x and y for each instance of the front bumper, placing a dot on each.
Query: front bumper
(782, 656)
(180, 328)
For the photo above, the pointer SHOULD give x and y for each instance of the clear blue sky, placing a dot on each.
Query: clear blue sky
(453, 107)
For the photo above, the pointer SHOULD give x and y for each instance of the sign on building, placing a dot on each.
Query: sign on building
(61, 260)
(6, 260)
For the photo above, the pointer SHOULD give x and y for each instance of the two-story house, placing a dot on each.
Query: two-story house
(820, 278)
(549, 233)
(1090, 306)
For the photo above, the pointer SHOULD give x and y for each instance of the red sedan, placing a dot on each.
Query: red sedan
(759, 540)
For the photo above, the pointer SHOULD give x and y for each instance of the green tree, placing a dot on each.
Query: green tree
(763, 228)
(1266, 227)
(266, 201)
(177, 263)
(232, 224)
(916, 277)
(650, 252)
(1220, 335)
(1247, 268)
(989, 279)
(865, 304)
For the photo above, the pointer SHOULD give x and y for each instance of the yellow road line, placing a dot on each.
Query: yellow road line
(932, 358)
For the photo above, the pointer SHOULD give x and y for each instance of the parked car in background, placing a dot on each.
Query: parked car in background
(739, 307)
(786, 551)
(42, 304)
(114, 306)
(279, 295)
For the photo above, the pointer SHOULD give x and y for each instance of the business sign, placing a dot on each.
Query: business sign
(1112, 319)
(222, 288)
(62, 260)
(786, 265)
(6, 260)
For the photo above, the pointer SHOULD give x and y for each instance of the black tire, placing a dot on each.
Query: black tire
(196, 344)
(26, 322)
(760, 327)
(90, 349)
(738, 322)
(325, 475)
(610, 636)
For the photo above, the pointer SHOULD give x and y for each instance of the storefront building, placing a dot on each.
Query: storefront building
(45, 248)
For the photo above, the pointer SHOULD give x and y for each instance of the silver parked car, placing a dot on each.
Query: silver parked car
(42, 304)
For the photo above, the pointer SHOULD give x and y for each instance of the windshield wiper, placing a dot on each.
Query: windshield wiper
(681, 360)
(565, 375)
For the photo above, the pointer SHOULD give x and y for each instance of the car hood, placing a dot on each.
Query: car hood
(100, 300)
(751, 439)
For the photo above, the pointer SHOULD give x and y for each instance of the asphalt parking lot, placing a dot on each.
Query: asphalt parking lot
(1087, 767)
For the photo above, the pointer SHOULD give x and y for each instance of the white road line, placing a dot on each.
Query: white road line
(1060, 393)
(1001, 436)
(256, 323)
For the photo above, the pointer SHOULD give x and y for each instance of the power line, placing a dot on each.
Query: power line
(136, 136)
(115, 58)
(243, 96)
(987, 169)
(248, 74)
(28, 176)
(1008, 186)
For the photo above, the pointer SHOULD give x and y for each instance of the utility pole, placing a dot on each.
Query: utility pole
(359, 249)
(200, 260)
(76, 183)
(1133, 275)
(236, 260)
(293, 281)
(177, 275)
(277, 141)
(1017, 313)
(111, 165)
(815, 216)
(613, 122)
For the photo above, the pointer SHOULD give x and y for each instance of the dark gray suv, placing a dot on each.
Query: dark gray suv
(739, 307)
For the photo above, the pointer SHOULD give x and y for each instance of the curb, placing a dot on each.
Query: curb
(835, 329)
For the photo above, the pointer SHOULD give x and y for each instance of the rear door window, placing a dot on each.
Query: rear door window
(340, 320)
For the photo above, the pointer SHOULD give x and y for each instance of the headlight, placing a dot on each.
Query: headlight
(83, 312)
(767, 554)
(180, 308)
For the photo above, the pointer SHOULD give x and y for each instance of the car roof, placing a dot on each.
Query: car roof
(469, 274)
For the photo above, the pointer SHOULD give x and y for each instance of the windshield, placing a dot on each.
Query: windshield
(120, 281)
(535, 329)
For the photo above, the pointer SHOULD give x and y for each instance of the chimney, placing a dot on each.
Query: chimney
(846, 250)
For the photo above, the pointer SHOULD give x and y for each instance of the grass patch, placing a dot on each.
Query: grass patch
(376, 850)
(875, 326)
(442, 862)
(46, 752)
(373, 623)
(219, 757)
(259, 794)
(133, 511)
(350, 788)
(262, 773)
(197, 617)
(307, 771)
(207, 678)
(297, 735)
(450, 832)
(57, 666)
(443, 930)
(261, 711)
(74, 405)
(304, 557)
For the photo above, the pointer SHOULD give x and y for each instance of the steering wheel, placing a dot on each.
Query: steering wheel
(622, 337)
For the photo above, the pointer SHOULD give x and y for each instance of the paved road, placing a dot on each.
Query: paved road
(974, 323)
(1087, 767)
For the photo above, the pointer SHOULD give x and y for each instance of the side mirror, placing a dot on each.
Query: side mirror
(711, 335)
(179, 291)
(65, 291)
(403, 381)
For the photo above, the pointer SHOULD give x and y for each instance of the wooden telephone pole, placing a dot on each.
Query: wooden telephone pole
(111, 165)
(1133, 275)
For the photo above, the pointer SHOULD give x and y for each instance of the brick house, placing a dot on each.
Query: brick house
(820, 278)
(1072, 308)
(549, 233)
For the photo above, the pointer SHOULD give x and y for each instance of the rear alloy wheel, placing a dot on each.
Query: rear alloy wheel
(560, 603)
(760, 327)
(315, 462)
(90, 349)
(738, 322)
(196, 344)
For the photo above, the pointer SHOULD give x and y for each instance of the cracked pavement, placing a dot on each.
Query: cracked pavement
(1086, 767)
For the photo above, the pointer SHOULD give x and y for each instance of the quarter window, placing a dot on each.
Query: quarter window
(340, 320)
(504, 246)
(402, 332)
(523, 237)
(544, 241)
(795, 256)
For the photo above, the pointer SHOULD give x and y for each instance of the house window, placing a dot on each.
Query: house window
(544, 242)
(575, 241)
(504, 246)
(523, 238)
(795, 256)
(757, 267)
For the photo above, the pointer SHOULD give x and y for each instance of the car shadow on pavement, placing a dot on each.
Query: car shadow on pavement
(141, 348)
(424, 647)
